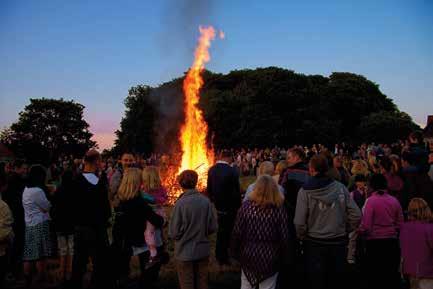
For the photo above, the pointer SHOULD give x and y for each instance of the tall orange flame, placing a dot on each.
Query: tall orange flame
(195, 153)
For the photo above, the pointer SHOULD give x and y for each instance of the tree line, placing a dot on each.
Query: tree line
(260, 107)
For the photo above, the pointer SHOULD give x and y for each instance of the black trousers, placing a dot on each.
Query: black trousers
(150, 276)
(91, 242)
(226, 222)
(382, 262)
(325, 265)
(3, 269)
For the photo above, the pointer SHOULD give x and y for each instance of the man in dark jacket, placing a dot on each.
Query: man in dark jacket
(224, 191)
(91, 221)
(294, 176)
(13, 196)
(418, 152)
(417, 183)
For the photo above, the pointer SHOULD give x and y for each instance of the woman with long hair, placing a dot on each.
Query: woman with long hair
(37, 243)
(156, 196)
(132, 214)
(260, 238)
(416, 241)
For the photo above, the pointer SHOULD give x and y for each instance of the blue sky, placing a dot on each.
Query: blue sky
(93, 51)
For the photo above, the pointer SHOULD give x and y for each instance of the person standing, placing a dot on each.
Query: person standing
(6, 232)
(325, 215)
(295, 175)
(192, 221)
(37, 239)
(381, 220)
(127, 160)
(62, 219)
(90, 223)
(13, 197)
(416, 241)
(260, 239)
(133, 215)
(223, 189)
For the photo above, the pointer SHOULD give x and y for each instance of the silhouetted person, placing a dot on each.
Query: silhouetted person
(224, 191)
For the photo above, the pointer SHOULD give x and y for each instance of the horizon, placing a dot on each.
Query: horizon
(94, 52)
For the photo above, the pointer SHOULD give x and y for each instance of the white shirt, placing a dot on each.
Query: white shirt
(36, 206)
(91, 178)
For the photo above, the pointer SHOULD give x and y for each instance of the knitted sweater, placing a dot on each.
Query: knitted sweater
(260, 240)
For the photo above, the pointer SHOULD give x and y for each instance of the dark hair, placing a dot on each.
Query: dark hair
(329, 157)
(67, 178)
(91, 156)
(378, 183)
(188, 179)
(360, 178)
(37, 176)
(386, 163)
(320, 164)
(226, 154)
(297, 151)
(417, 136)
(408, 157)
(18, 163)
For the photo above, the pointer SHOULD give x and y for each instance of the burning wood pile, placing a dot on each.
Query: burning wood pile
(196, 153)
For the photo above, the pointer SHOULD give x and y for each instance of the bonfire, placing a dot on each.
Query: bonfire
(196, 153)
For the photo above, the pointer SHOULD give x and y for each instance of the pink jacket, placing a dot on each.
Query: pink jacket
(160, 195)
(382, 217)
(416, 241)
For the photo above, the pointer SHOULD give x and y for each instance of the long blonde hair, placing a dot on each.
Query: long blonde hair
(266, 192)
(360, 167)
(266, 168)
(419, 210)
(151, 179)
(130, 185)
(281, 166)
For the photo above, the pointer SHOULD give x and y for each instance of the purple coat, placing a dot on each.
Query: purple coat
(416, 241)
(260, 240)
(382, 217)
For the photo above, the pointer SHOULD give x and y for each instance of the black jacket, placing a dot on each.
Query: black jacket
(223, 188)
(91, 205)
(130, 221)
(62, 213)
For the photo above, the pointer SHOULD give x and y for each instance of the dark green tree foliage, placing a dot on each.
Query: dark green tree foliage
(48, 128)
(274, 106)
(386, 126)
(136, 127)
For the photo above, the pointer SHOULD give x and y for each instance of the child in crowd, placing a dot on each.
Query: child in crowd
(359, 195)
(156, 196)
(192, 221)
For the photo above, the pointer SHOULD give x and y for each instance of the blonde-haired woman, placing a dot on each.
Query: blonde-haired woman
(132, 214)
(359, 167)
(156, 196)
(416, 242)
(260, 239)
(265, 168)
(279, 169)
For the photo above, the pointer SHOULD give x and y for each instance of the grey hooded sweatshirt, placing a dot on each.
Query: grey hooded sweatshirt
(325, 212)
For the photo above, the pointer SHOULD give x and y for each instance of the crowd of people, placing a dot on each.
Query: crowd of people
(313, 217)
